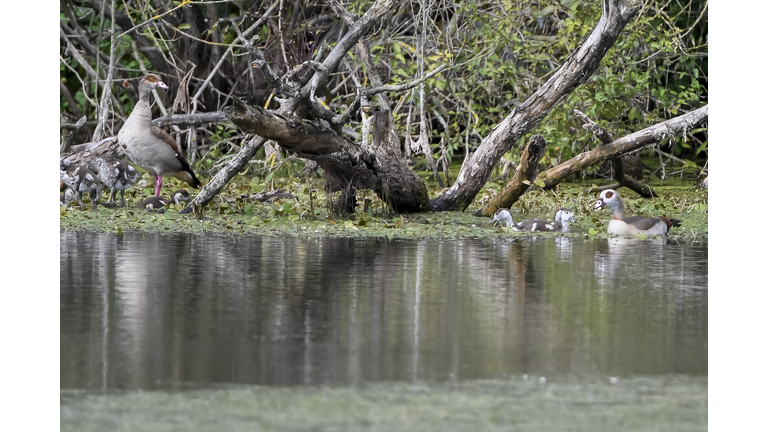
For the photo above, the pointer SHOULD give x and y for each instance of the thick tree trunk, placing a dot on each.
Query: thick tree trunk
(627, 144)
(575, 70)
(524, 175)
(395, 183)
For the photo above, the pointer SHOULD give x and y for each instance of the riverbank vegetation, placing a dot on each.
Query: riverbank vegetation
(373, 114)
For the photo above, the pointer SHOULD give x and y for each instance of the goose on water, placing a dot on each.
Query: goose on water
(633, 225)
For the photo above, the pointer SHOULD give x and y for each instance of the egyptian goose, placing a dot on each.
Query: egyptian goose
(633, 225)
(561, 223)
(503, 215)
(81, 179)
(116, 175)
(150, 147)
(155, 203)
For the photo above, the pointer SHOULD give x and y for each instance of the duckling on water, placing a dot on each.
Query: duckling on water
(504, 215)
(561, 222)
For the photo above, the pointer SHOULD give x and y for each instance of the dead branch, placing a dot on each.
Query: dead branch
(194, 120)
(75, 129)
(627, 144)
(521, 181)
(404, 86)
(618, 165)
(226, 174)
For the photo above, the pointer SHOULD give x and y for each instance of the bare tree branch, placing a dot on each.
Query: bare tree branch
(626, 144)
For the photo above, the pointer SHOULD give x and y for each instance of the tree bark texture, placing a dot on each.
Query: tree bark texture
(395, 183)
(576, 69)
(524, 175)
(626, 144)
(187, 120)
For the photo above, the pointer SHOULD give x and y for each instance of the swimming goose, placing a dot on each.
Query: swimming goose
(150, 147)
(535, 224)
(632, 219)
(632, 225)
(563, 217)
(155, 203)
(81, 179)
(116, 175)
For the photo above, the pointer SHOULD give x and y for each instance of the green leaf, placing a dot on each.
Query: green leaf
(184, 26)
(593, 231)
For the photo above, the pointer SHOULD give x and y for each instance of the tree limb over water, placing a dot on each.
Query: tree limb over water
(608, 151)
(624, 145)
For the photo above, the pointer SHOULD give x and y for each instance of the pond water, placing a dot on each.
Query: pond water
(157, 329)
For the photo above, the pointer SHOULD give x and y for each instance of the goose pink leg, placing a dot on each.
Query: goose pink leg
(158, 184)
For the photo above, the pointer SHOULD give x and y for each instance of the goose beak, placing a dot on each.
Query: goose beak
(162, 85)
(599, 204)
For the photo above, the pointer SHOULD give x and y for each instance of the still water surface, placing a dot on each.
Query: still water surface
(147, 311)
(188, 312)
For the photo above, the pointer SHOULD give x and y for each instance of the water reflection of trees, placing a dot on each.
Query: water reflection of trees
(153, 311)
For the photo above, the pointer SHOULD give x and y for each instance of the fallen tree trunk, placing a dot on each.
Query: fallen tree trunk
(618, 165)
(346, 164)
(521, 181)
(626, 144)
(576, 69)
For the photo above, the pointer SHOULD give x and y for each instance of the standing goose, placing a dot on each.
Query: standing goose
(150, 147)
(637, 224)
(503, 215)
